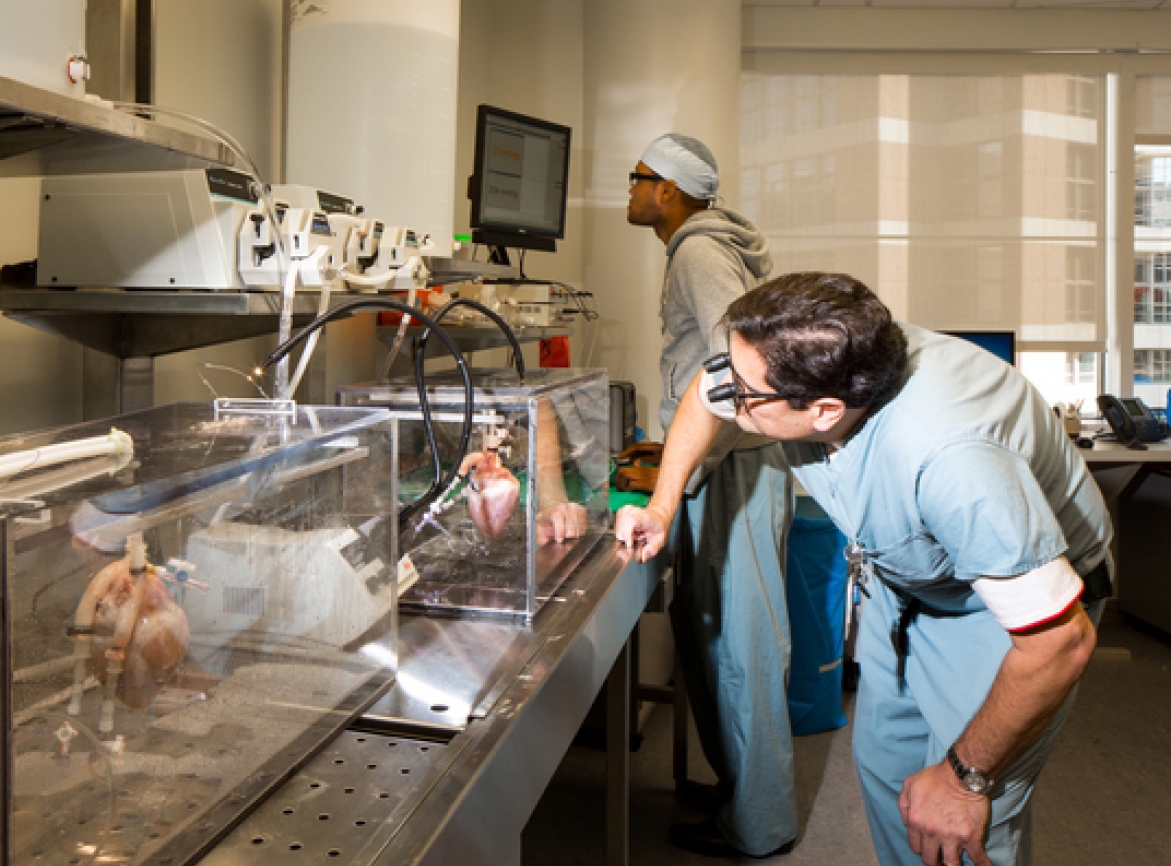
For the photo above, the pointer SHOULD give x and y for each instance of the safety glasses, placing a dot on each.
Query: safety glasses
(636, 176)
(737, 390)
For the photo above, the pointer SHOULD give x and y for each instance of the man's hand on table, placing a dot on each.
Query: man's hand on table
(643, 529)
(563, 521)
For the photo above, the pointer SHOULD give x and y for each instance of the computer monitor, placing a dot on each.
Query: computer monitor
(1002, 344)
(520, 181)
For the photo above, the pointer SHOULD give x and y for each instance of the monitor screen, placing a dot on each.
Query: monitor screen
(1002, 344)
(520, 181)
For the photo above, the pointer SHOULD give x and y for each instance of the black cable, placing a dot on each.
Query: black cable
(432, 324)
(500, 323)
(428, 427)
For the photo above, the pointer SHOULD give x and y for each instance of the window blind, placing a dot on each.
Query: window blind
(964, 201)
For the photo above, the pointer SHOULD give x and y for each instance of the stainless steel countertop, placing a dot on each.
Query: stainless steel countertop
(450, 764)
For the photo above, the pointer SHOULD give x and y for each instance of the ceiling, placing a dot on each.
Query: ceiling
(1140, 5)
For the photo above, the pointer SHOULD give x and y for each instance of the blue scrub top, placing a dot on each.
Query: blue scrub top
(966, 473)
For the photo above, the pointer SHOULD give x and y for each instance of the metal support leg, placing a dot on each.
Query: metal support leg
(635, 683)
(679, 750)
(618, 761)
(136, 384)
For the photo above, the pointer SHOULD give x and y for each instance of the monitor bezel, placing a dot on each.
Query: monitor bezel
(503, 234)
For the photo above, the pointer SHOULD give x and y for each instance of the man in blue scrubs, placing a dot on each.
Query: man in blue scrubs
(980, 535)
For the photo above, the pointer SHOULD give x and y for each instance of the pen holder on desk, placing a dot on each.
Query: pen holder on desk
(1071, 419)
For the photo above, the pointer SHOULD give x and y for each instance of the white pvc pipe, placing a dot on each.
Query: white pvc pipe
(114, 444)
(47, 482)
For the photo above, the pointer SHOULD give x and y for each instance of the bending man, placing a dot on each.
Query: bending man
(984, 537)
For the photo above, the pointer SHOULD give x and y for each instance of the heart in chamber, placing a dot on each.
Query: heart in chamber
(495, 494)
(135, 616)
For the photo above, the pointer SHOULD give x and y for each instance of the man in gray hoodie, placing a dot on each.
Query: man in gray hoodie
(730, 618)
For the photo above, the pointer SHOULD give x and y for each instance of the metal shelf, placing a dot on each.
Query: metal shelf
(129, 323)
(48, 133)
(446, 270)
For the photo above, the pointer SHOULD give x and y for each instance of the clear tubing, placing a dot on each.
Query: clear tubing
(384, 373)
(367, 282)
(311, 343)
(263, 193)
(113, 444)
(114, 660)
(251, 381)
(281, 389)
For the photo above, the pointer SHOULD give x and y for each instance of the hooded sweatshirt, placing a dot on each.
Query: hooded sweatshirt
(712, 259)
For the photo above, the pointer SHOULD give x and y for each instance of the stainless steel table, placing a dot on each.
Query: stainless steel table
(448, 767)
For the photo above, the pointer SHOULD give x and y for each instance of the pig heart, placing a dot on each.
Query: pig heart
(494, 500)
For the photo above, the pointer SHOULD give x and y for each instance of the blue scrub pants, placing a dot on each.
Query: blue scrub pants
(898, 732)
(731, 627)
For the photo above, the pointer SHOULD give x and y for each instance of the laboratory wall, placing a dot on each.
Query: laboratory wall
(220, 60)
(526, 56)
(650, 68)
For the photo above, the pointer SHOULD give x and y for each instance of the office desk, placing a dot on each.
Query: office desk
(1140, 465)
(1137, 489)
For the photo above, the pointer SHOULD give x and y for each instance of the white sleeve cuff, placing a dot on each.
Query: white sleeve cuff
(1031, 599)
(725, 410)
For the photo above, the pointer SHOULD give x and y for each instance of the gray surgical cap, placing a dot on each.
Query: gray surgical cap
(687, 161)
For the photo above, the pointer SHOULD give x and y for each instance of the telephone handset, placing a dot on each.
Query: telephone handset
(1131, 421)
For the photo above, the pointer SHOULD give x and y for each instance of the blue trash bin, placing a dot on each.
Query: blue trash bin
(815, 588)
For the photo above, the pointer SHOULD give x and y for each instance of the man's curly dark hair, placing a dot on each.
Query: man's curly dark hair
(822, 335)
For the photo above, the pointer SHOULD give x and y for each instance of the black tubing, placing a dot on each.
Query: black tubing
(341, 310)
(500, 323)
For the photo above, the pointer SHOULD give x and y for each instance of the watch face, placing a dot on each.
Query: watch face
(976, 782)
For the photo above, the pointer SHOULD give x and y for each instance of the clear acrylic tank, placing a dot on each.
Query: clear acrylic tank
(184, 625)
(503, 540)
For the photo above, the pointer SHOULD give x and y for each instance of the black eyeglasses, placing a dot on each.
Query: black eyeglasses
(636, 176)
(736, 390)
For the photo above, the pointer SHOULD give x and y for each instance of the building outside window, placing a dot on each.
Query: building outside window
(1152, 289)
(1152, 272)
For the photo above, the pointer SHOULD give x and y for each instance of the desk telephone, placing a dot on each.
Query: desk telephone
(1131, 420)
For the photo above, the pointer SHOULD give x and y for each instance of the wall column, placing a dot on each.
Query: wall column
(651, 66)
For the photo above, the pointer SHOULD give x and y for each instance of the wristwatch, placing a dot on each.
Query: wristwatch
(974, 780)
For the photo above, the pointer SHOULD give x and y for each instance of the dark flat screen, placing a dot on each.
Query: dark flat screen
(1002, 344)
(521, 174)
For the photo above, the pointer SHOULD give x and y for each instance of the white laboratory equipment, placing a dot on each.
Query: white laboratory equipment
(143, 230)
